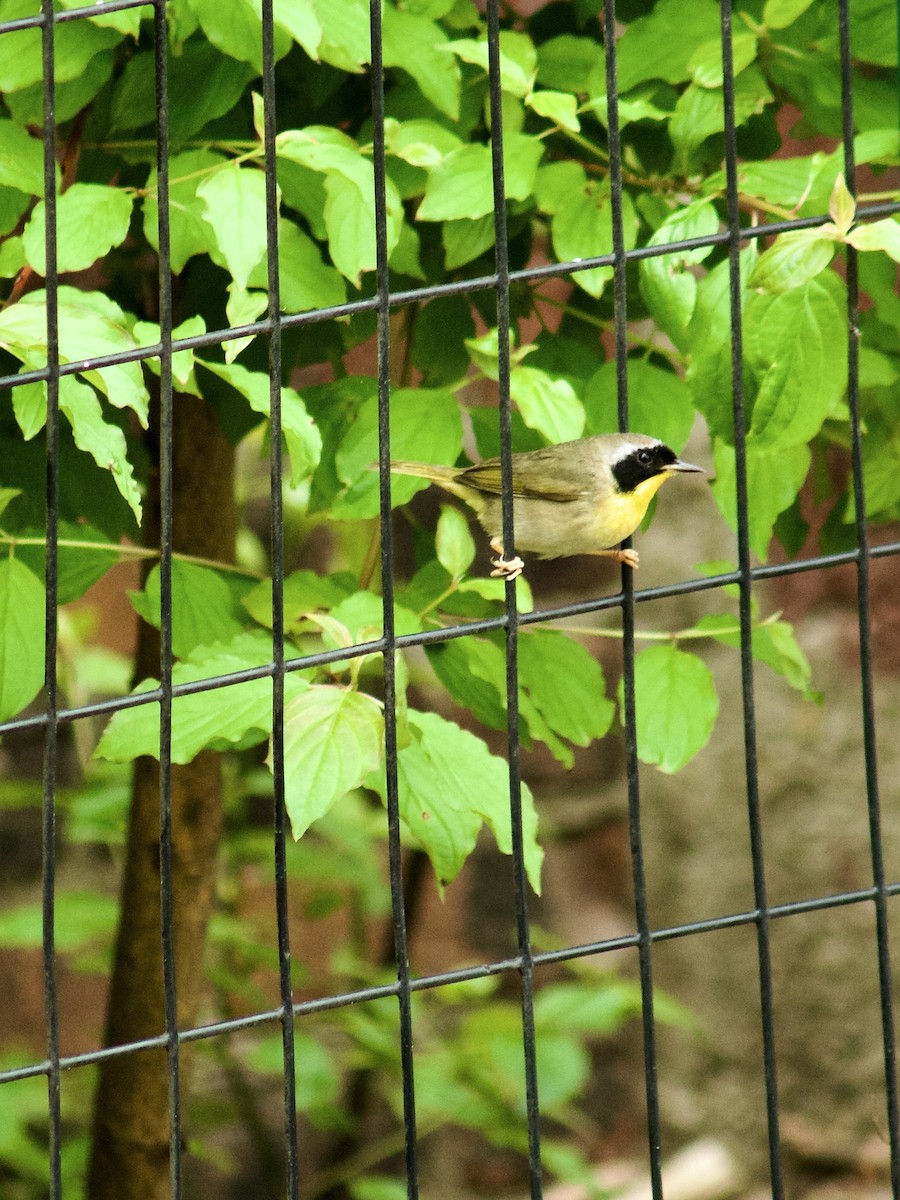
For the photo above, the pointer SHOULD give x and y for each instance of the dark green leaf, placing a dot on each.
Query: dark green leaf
(205, 608)
(426, 427)
(774, 478)
(795, 343)
(659, 403)
(21, 636)
(566, 684)
(659, 45)
(668, 288)
(414, 43)
(449, 784)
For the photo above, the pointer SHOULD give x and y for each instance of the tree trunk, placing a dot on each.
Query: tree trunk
(130, 1143)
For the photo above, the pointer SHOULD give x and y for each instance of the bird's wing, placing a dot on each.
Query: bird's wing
(539, 475)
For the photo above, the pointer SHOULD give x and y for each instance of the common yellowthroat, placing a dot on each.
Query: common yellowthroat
(581, 497)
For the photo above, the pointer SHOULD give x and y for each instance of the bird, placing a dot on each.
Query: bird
(578, 497)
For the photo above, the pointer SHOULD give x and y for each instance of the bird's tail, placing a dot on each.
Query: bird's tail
(445, 477)
(441, 475)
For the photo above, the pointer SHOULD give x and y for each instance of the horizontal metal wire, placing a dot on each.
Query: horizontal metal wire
(430, 637)
(627, 941)
(264, 326)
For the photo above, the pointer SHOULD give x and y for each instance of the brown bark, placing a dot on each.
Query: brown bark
(130, 1143)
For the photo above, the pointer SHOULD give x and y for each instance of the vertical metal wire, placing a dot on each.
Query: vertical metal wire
(745, 614)
(520, 879)
(48, 830)
(870, 748)
(654, 1136)
(270, 128)
(398, 907)
(160, 31)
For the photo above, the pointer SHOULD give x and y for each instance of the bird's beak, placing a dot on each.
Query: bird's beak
(687, 467)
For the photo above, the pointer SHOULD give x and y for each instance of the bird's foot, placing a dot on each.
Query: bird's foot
(628, 558)
(505, 568)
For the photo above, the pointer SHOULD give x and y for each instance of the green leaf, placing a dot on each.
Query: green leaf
(705, 64)
(147, 333)
(90, 220)
(416, 44)
(473, 670)
(190, 232)
(453, 542)
(778, 14)
(449, 784)
(774, 479)
(242, 308)
(546, 404)
(518, 59)
(873, 32)
(349, 211)
(333, 739)
(204, 607)
(670, 289)
(659, 402)
(467, 240)
(565, 62)
(74, 43)
(22, 601)
(440, 329)
(237, 29)
(566, 684)
(304, 592)
(583, 229)
(203, 85)
(350, 221)
(676, 705)
(234, 716)
(521, 155)
(234, 206)
(879, 235)
(21, 156)
(306, 282)
(7, 495)
(301, 435)
(709, 340)
(79, 567)
(103, 441)
(772, 643)
(795, 258)
(127, 21)
(558, 107)
(90, 325)
(659, 45)
(459, 187)
(345, 32)
(841, 205)
(796, 345)
(700, 112)
(555, 184)
(426, 427)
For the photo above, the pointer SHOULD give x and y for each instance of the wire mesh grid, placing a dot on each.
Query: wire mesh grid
(524, 963)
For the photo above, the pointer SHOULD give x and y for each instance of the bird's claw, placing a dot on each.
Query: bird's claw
(628, 558)
(505, 568)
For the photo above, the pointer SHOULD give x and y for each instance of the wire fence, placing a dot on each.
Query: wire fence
(527, 960)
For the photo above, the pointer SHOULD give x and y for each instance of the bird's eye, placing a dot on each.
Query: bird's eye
(644, 457)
